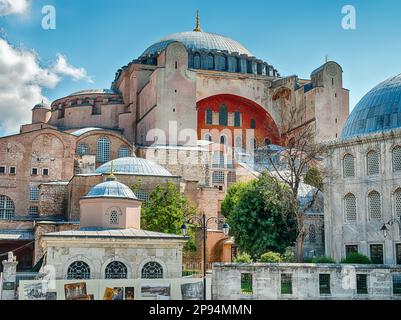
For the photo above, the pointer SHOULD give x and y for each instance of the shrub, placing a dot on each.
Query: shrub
(271, 257)
(356, 258)
(243, 258)
(308, 260)
(323, 260)
(289, 255)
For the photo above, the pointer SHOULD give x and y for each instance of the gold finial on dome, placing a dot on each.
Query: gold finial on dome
(198, 27)
(111, 176)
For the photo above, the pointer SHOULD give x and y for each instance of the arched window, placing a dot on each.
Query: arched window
(375, 206)
(208, 137)
(83, 149)
(238, 142)
(103, 150)
(312, 233)
(397, 203)
(223, 140)
(123, 152)
(373, 163)
(34, 194)
(348, 166)
(7, 208)
(197, 61)
(223, 116)
(209, 62)
(253, 124)
(116, 270)
(114, 217)
(397, 159)
(78, 270)
(209, 116)
(237, 119)
(152, 270)
(350, 207)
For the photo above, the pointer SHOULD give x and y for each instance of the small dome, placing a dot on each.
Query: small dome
(194, 40)
(378, 111)
(41, 105)
(111, 189)
(93, 91)
(134, 166)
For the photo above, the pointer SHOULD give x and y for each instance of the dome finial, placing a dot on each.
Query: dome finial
(111, 176)
(198, 27)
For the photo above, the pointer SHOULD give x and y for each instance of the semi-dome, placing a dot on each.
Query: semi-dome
(134, 166)
(198, 40)
(111, 189)
(379, 110)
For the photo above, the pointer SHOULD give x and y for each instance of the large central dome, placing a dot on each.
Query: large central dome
(198, 40)
(379, 110)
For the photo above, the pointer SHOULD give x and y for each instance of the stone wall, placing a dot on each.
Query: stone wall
(53, 199)
(266, 282)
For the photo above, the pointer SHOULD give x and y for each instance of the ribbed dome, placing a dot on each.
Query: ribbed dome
(379, 110)
(134, 166)
(195, 40)
(111, 189)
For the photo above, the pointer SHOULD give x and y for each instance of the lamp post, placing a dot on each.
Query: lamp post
(203, 223)
(386, 227)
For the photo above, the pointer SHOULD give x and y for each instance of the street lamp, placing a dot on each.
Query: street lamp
(386, 227)
(203, 223)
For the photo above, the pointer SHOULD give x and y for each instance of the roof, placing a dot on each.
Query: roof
(195, 40)
(378, 111)
(114, 233)
(17, 234)
(134, 166)
(83, 131)
(93, 91)
(111, 189)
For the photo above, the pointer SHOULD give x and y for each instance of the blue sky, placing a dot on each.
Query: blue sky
(295, 36)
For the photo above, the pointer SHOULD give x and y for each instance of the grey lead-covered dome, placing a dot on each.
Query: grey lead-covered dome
(134, 166)
(379, 110)
(195, 40)
(111, 189)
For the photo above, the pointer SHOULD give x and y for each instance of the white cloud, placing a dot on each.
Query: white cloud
(8, 7)
(62, 67)
(22, 80)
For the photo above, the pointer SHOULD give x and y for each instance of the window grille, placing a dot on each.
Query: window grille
(362, 284)
(312, 233)
(349, 166)
(33, 211)
(398, 253)
(103, 150)
(397, 159)
(114, 217)
(116, 270)
(376, 253)
(152, 270)
(350, 207)
(374, 201)
(373, 163)
(7, 208)
(83, 149)
(218, 177)
(286, 283)
(246, 283)
(144, 196)
(397, 203)
(123, 152)
(397, 283)
(324, 284)
(78, 270)
(34, 194)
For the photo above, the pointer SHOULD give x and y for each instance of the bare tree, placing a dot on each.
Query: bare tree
(290, 166)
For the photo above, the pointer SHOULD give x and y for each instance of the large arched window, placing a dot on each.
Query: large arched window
(397, 203)
(152, 270)
(78, 270)
(223, 116)
(7, 208)
(348, 166)
(116, 270)
(350, 207)
(197, 61)
(103, 150)
(397, 159)
(82, 149)
(375, 206)
(123, 152)
(373, 162)
(209, 62)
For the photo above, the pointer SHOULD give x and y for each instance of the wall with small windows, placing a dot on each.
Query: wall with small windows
(362, 193)
(305, 282)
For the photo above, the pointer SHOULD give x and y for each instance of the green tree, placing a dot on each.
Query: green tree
(314, 178)
(261, 217)
(167, 211)
(232, 197)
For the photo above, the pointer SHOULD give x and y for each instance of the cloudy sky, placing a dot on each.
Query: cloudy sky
(94, 38)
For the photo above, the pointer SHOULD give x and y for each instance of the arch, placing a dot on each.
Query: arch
(78, 270)
(348, 166)
(152, 270)
(7, 208)
(197, 60)
(350, 208)
(208, 137)
(103, 149)
(223, 139)
(209, 61)
(374, 205)
(116, 270)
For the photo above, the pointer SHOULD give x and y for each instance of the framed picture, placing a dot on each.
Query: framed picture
(75, 291)
(51, 296)
(157, 291)
(35, 291)
(192, 291)
(129, 293)
(116, 294)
